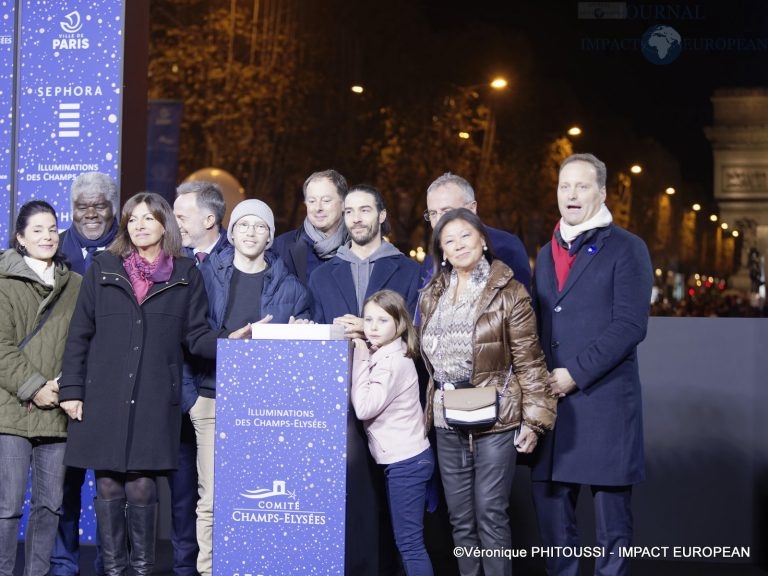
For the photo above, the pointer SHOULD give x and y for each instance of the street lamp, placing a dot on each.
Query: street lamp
(489, 137)
(499, 83)
(574, 131)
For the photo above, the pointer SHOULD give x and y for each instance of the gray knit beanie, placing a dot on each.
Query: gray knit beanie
(256, 208)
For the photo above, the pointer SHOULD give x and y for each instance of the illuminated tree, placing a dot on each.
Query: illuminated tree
(233, 64)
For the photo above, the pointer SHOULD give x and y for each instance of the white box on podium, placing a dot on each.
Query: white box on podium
(297, 332)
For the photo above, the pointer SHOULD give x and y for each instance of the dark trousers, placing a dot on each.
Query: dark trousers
(183, 485)
(477, 484)
(555, 504)
(361, 554)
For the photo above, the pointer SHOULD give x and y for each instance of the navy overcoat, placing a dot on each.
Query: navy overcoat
(592, 328)
(124, 361)
(334, 289)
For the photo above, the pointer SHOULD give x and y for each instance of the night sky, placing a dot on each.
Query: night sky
(618, 97)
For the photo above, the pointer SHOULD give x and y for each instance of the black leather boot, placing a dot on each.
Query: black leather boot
(110, 521)
(141, 534)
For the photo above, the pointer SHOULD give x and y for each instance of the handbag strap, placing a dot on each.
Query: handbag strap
(43, 318)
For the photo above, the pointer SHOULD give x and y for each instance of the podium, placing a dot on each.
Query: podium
(280, 452)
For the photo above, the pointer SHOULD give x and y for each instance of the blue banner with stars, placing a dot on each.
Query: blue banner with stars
(280, 457)
(68, 96)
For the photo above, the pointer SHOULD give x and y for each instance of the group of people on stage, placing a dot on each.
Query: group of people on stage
(107, 362)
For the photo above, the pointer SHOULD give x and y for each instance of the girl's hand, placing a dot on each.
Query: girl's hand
(353, 326)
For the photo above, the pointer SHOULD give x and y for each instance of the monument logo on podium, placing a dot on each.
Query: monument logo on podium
(280, 453)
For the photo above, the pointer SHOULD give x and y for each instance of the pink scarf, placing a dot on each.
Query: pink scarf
(143, 274)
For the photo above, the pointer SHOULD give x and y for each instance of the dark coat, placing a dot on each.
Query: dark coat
(195, 366)
(333, 287)
(592, 328)
(296, 250)
(124, 361)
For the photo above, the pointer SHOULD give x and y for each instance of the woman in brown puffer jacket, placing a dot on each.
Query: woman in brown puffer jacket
(478, 329)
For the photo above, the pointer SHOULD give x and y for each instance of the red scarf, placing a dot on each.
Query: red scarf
(143, 274)
(563, 260)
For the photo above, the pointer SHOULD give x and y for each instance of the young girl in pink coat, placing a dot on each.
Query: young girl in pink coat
(385, 395)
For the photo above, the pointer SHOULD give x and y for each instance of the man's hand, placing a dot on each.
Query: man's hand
(293, 320)
(560, 383)
(353, 326)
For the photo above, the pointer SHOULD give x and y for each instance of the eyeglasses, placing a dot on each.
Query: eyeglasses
(430, 215)
(259, 229)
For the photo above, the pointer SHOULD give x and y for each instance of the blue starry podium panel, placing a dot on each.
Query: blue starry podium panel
(280, 457)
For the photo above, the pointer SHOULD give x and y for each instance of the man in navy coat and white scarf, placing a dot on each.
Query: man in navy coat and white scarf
(592, 290)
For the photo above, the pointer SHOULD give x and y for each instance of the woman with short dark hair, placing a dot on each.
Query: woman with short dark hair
(37, 297)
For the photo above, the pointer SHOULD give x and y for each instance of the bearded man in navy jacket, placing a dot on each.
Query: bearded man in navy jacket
(592, 290)
(365, 265)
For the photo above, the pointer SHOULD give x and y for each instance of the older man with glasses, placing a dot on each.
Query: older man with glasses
(450, 191)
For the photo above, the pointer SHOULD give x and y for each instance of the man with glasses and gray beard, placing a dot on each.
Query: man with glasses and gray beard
(451, 191)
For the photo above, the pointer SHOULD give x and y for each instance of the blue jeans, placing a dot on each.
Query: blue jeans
(46, 457)
(407, 483)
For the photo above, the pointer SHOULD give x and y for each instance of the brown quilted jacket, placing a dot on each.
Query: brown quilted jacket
(505, 328)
